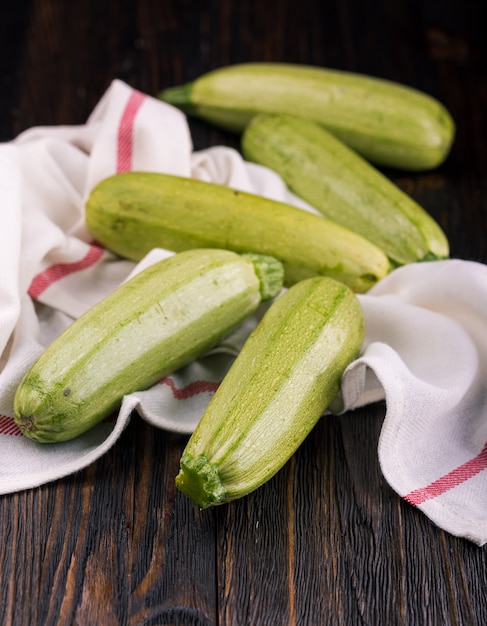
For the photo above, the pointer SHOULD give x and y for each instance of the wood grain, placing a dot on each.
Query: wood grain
(326, 541)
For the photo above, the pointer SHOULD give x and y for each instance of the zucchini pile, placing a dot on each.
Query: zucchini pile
(324, 132)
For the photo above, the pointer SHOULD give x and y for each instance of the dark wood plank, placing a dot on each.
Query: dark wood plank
(326, 541)
(114, 542)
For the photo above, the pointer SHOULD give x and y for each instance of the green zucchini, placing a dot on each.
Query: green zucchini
(132, 213)
(388, 123)
(285, 377)
(156, 322)
(343, 186)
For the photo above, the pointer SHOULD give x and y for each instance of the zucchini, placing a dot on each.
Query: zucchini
(286, 375)
(343, 186)
(388, 123)
(133, 212)
(154, 323)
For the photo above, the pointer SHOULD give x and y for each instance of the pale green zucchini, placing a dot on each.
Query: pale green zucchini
(388, 123)
(156, 322)
(285, 377)
(132, 213)
(344, 187)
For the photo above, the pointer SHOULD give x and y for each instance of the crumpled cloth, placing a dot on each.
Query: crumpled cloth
(425, 353)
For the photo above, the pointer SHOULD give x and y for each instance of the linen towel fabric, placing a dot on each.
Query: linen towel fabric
(425, 353)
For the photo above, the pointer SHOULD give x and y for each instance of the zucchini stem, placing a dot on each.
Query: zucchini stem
(179, 96)
(200, 481)
(270, 273)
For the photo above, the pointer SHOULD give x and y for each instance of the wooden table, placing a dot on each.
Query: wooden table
(326, 541)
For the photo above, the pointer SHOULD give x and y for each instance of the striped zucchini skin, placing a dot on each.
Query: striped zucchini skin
(153, 324)
(132, 213)
(388, 123)
(286, 375)
(343, 186)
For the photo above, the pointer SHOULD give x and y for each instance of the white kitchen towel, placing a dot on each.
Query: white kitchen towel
(425, 352)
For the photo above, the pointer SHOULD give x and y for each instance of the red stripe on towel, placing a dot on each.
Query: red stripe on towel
(193, 389)
(8, 426)
(55, 272)
(454, 478)
(125, 139)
